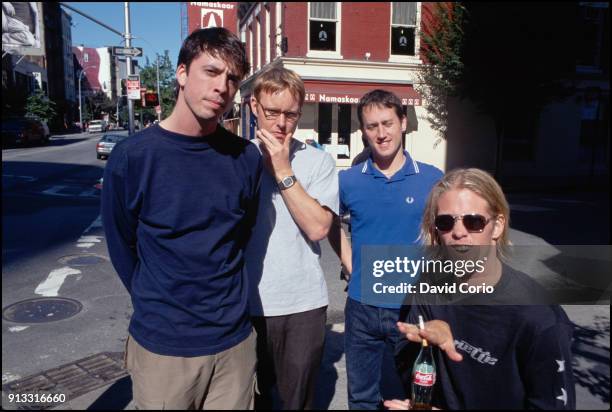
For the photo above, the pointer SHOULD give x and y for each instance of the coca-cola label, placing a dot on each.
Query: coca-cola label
(424, 379)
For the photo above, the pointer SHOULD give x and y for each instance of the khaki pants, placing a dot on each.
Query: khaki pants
(225, 380)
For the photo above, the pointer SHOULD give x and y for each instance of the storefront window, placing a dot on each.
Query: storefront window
(325, 123)
(344, 131)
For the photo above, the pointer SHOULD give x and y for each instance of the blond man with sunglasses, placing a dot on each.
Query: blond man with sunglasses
(508, 350)
(288, 293)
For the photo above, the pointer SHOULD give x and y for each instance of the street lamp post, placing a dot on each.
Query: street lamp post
(80, 104)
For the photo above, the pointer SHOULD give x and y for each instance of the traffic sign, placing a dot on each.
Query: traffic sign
(133, 87)
(127, 51)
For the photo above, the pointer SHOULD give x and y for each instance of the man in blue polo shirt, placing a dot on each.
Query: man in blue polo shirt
(385, 196)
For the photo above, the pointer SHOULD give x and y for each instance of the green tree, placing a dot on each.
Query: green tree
(441, 47)
(100, 104)
(39, 105)
(148, 79)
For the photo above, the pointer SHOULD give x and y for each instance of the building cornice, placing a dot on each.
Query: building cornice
(349, 63)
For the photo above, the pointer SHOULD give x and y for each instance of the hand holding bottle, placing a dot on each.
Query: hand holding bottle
(436, 332)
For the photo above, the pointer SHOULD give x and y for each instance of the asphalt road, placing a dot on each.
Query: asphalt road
(50, 214)
(53, 244)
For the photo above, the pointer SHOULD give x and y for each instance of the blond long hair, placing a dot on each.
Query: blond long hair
(479, 182)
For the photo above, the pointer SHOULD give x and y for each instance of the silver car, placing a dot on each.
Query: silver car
(96, 126)
(107, 143)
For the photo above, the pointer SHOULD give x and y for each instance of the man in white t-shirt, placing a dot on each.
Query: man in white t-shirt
(288, 293)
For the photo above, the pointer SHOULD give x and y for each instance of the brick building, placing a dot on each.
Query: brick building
(341, 50)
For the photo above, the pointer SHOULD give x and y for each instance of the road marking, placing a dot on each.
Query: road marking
(9, 377)
(88, 241)
(17, 328)
(53, 283)
(28, 178)
(96, 223)
(338, 327)
(56, 191)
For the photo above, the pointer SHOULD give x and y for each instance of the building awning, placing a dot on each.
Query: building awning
(320, 91)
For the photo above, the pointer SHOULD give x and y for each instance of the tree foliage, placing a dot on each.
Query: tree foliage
(39, 105)
(148, 79)
(99, 104)
(441, 48)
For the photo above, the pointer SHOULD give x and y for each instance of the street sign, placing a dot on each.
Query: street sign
(133, 87)
(127, 51)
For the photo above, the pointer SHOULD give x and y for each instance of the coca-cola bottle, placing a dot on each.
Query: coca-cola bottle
(423, 375)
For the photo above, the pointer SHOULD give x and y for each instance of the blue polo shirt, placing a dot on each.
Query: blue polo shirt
(384, 211)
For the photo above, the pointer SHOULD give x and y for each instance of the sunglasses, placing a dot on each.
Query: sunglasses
(473, 222)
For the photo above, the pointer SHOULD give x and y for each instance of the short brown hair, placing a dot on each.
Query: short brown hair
(379, 97)
(277, 79)
(479, 182)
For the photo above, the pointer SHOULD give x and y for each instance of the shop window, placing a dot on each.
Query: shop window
(403, 28)
(325, 123)
(344, 131)
(323, 26)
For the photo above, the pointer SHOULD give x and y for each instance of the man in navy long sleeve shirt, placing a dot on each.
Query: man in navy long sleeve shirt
(178, 206)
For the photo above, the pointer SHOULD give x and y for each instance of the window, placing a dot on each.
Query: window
(325, 123)
(86, 57)
(403, 28)
(344, 130)
(323, 21)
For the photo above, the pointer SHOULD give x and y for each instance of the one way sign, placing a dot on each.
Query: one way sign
(127, 51)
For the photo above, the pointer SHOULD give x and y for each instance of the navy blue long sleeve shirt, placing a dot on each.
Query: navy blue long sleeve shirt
(177, 212)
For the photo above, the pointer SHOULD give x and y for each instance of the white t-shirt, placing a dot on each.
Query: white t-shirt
(285, 274)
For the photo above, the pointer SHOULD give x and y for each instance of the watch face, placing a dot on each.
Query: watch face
(287, 181)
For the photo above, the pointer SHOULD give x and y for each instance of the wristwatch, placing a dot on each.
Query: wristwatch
(287, 182)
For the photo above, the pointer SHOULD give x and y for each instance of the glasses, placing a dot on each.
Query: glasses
(473, 222)
(272, 114)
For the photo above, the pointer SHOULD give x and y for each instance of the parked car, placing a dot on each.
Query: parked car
(24, 131)
(97, 126)
(107, 143)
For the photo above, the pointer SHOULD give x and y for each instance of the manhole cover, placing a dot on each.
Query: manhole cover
(41, 310)
(85, 259)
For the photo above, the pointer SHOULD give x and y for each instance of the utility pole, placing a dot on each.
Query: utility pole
(128, 60)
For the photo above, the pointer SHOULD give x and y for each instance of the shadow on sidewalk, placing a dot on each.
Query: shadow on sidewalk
(328, 375)
(591, 363)
(116, 397)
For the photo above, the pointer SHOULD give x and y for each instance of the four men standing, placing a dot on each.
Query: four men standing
(209, 243)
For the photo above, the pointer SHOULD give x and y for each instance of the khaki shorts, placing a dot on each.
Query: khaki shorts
(225, 380)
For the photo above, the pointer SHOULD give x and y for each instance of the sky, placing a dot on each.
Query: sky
(155, 26)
